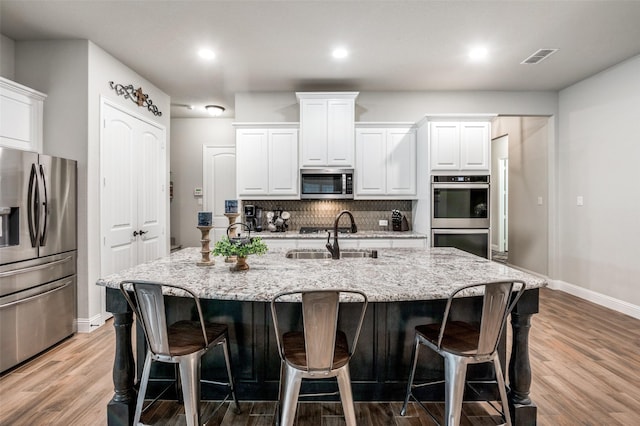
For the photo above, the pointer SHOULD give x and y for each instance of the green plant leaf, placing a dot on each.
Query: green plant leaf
(226, 247)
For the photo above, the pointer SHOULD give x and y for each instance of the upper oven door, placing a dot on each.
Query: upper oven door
(460, 205)
(326, 184)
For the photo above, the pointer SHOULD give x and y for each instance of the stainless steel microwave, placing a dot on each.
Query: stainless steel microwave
(324, 184)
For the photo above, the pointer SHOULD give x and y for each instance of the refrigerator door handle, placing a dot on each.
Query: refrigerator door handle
(35, 296)
(32, 206)
(45, 208)
(34, 268)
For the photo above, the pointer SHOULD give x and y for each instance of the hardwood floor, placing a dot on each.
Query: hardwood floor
(585, 361)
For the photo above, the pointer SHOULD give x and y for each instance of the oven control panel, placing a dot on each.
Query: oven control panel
(461, 179)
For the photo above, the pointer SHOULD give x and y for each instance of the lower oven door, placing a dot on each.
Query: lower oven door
(475, 241)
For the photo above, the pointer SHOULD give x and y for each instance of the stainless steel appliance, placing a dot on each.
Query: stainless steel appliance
(326, 184)
(460, 213)
(475, 241)
(460, 202)
(250, 217)
(38, 229)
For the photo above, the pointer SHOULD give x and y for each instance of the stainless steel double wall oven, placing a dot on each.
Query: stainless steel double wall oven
(460, 213)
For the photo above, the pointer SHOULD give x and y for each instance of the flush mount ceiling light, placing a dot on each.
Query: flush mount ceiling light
(207, 54)
(214, 110)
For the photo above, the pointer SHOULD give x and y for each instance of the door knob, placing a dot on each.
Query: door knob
(142, 232)
(135, 233)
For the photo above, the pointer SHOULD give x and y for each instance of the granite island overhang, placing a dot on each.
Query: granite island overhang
(405, 287)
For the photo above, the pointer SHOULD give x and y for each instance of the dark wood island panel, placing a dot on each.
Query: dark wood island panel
(379, 368)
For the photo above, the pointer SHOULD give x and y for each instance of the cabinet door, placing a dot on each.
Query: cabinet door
(313, 132)
(340, 137)
(252, 167)
(401, 162)
(445, 146)
(474, 146)
(283, 162)
(370, 161)
(21, 117)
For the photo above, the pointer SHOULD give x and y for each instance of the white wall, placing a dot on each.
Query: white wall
(7, 57)
(598, 158)
(188, 136)
(401, 106)
(74, 74)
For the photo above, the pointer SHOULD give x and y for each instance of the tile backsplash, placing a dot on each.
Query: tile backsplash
(366, 213)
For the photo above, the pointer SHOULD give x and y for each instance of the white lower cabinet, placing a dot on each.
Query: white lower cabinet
(267, 163)
(385, 163)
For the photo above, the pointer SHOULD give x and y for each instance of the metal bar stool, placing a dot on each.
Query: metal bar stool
(183, 343)
(320, 351)
(463, 343)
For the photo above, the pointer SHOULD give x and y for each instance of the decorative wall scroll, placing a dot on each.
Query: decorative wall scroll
(136, 95)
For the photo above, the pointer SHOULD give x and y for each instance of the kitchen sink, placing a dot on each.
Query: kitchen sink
(324, 254)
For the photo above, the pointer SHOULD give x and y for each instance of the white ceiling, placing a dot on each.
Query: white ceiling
(285, 45)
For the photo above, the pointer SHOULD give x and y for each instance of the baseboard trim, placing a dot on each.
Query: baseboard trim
(87, 325)
(598, 298)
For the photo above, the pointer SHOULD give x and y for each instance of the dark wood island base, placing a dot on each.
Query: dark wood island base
(380, 365)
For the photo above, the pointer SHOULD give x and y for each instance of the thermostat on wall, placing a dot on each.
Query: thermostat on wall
(197, 192)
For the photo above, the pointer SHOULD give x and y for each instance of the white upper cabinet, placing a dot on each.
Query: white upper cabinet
(327, 128)
(385, 163)
(459, 145)
(267, 163)
(21, 113)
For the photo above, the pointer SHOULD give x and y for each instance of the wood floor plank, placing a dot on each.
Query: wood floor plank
(584, 359)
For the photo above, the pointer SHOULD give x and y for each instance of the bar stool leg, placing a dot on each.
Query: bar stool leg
(227, 360)
(190, 375)
(346, 396)
(455, 371)
(291, 391)
(142, 391)
(412, 373)
(502, 389)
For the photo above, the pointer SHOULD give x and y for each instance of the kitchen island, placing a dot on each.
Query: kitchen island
(405, 287)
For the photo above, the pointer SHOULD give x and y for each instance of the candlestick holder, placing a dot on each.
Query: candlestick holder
(232, 234)
(205, 251)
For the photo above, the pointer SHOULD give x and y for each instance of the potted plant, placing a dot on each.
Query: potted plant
(240, 248)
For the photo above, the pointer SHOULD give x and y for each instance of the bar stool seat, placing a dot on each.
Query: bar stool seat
(294, 350)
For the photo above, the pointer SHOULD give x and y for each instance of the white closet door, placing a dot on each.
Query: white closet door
(119, 197)
(219, 185)
(133, 196)
(151, 192)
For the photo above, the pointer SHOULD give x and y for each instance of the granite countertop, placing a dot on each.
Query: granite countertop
(266, 235)
(396, 275)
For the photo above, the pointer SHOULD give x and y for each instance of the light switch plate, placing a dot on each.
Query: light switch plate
(580, 200)
(383, 222)
(197, 192)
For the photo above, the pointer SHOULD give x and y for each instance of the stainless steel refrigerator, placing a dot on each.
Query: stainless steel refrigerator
(38, 240)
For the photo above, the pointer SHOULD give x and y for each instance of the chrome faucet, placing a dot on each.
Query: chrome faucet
(335, 248)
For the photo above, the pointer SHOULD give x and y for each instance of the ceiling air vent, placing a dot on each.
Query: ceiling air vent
(539, 56)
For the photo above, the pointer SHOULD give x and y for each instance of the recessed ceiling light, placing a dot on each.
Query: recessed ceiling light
(478, 53)
(340, 53)
(207, 54)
